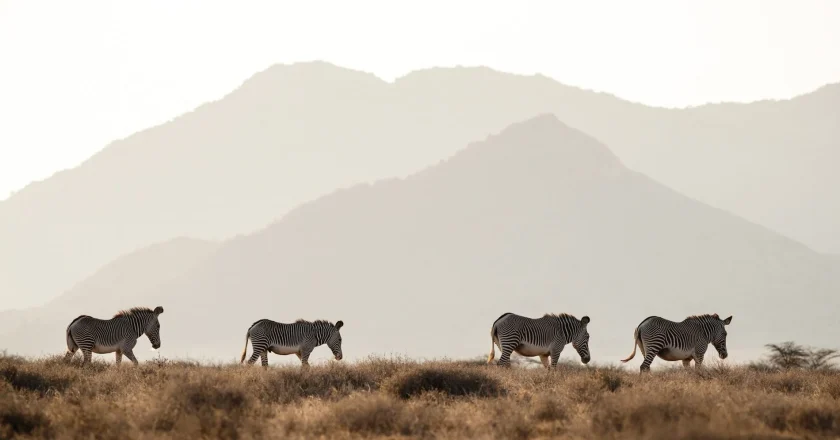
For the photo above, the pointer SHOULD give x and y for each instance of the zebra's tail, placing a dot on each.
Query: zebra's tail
(636, 342)
(245, 350)
(492, 344)
(71, 343)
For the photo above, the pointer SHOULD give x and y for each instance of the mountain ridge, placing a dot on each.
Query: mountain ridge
(235, 164)
(480, 234)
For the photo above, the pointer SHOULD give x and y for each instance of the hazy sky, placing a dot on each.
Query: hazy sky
(76, 75)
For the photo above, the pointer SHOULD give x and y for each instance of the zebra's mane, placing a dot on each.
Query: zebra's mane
(316, 322)
(559, 316)
(133, 311)
(705, 316)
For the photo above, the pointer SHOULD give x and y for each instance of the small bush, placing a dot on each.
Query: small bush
(451, 381)
(20, 419)
(217, 409)
(549, 409)
(612, 380)
(285, 385)
(38, 381)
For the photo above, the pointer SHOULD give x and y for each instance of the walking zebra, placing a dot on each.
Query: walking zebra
(118, 334)
(541, 337)
(680, 341)
(300, 338)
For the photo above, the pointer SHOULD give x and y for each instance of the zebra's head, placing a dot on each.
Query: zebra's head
(334, 340)
(581, 341)
(719, 335)
(153, 328)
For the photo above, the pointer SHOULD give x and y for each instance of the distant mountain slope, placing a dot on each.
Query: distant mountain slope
(292, 133)
(126, 282)
(539, 218)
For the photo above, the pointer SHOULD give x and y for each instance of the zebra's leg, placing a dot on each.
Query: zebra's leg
(504, 359)
(555, 355)
(544, 360)
(86, 355)
(129, 353)
(128, 350)
(650, 354)
(699, 354)
(118, 354)
(264, 358)
(687, 363)
(304, 356)
(254, 356)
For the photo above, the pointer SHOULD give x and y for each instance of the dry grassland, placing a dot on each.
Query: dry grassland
(394, 398)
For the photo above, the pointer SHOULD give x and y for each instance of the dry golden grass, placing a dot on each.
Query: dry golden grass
(392, 399)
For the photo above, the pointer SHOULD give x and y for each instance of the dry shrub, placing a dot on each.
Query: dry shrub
(93, 418)
(639, 415)
(786, 383)
(612, 379)
(285, 385)
(381, 415)
(450, 380)
(832, 388)
(18, 418)
(799, 417)
(212, 408)
(389, 399)
(40, 380)
(549, 409)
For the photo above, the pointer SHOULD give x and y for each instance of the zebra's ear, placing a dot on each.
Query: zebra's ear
(584, 320)
(727, 320)
(158, 310)
(339, 324)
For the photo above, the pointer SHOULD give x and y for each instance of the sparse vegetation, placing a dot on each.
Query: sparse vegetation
(789, 355)
(394, 398)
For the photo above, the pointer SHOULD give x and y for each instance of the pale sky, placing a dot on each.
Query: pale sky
(77, 75)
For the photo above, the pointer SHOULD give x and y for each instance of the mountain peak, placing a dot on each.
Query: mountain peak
(545, 144)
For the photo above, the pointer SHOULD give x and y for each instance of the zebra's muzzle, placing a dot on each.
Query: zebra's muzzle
(338, 357)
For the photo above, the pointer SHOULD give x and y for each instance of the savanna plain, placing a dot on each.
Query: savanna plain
(393, 398)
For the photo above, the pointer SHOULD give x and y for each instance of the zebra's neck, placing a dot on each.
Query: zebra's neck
(566, 328)
(138, 322)
(707, 329)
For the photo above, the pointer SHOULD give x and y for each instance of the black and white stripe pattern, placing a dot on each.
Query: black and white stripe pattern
(300, 338)
(544, 337)
(118, 334)
(680, 341)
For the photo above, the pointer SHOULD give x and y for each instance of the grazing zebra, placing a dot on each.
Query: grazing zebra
(118, 334)
(680, 341)
(541, 337)
(300, 338)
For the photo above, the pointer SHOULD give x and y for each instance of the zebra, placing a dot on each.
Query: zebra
(118, 334)
(544, 337)
(300, 338)
(680, 341)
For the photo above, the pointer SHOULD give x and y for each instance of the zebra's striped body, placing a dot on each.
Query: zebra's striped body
(680, 341)
(118, 334)
(544, 337)
(300, 338)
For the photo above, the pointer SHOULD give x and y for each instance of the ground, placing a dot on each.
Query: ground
(395, 398)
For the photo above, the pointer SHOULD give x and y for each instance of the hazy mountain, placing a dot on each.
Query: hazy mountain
(292, 133)
(121, 284)
(539, 218)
